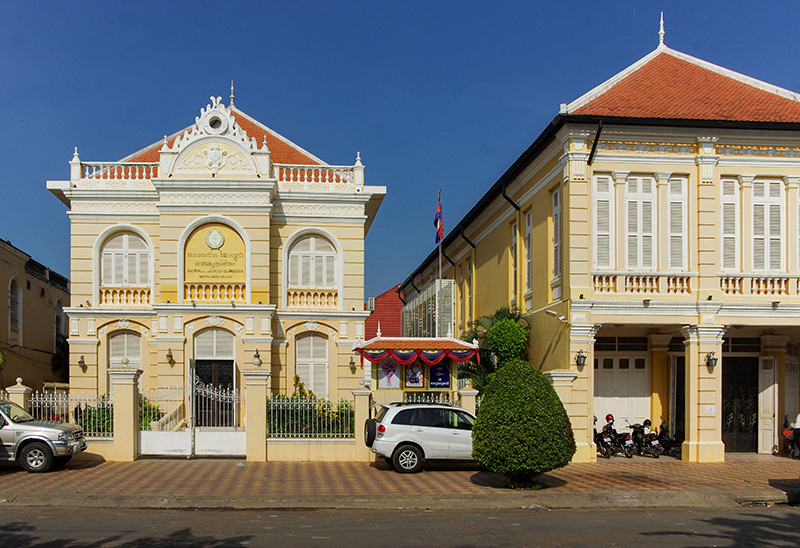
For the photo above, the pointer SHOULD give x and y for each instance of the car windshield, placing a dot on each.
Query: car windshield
(15, 413)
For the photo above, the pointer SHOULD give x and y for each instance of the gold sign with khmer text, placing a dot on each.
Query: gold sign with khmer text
(215, 253)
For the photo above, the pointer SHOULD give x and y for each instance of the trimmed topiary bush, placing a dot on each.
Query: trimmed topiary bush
(507, 340)
(522, 429)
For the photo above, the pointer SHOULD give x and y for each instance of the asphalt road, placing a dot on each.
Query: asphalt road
(22, 527)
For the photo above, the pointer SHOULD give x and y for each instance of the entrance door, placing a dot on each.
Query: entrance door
(740, 404)
(677, 398)
(622, 388)
(213, 378)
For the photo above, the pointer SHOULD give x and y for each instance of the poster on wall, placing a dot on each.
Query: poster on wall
(440, 376)
(388, 374)
(414, 376)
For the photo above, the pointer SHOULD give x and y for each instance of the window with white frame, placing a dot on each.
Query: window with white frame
(556, 234)
(528, 252)
(15, 311)
(640, 206)
(513, 261)
(125, 261)
(311, 362)
(730, 224)
(125, 344)
(312, 263)
(214, 344)
(767, 225)
(469, 290)
(677, 193)
(603, 225)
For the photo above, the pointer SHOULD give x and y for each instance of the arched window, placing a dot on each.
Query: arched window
(312, 263)
(125, 344)
(214, 343)
(15, 311)
(125, 261)
(311, 362)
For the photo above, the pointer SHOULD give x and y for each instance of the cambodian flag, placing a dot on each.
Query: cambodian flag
(437, 221)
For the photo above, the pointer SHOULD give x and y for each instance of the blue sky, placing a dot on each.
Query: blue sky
(433, 94)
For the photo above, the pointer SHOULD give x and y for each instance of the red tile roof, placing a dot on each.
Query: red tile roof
(283, 151)
(409, 343)
(669, 84)
(387, 311)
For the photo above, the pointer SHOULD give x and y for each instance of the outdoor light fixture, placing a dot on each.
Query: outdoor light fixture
(169, 357)
(352, 365)
(646, 302)
(125, 362)
(82, 364)
(559, 317)
(257, 359)
(711, 360)
(580, 358)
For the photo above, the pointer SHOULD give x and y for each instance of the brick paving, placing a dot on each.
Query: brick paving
(208, 481)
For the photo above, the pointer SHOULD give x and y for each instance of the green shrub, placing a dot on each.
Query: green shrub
(507, 340)
(522, 429)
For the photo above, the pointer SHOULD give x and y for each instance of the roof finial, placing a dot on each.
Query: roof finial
(232, 85)
(660, 37)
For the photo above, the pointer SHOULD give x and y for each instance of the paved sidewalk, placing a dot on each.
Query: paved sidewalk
(230, 483)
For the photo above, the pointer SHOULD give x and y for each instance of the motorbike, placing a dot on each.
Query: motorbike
(609, 442)
(646, 440)
(666, 442)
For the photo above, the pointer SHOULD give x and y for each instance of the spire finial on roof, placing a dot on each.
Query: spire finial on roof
(378, 334)
(660, 32)
(232, 90)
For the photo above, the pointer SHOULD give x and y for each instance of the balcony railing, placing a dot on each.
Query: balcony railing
(637, 283)
(759, 284)
(315, 178)
(116, 175)
(212, 293)
(312, 298)
(124, 296)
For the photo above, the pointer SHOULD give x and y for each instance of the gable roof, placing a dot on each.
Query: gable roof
(283, 150)
(667, 84)
(387, 315)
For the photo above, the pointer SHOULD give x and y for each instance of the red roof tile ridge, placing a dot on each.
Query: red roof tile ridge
(598, 91)
(157, 145)
(278, 136)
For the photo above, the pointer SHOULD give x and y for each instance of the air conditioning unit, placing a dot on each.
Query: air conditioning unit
(371, 304)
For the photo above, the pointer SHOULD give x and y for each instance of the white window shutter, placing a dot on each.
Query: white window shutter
(320, 379)
(775, 240)
(603, 233)
(557, 234)
(677, 223)
(759, 244)
(729, 235)
(633, 234)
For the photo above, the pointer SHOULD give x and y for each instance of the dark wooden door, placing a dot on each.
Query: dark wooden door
(214, 405)
(740, 404)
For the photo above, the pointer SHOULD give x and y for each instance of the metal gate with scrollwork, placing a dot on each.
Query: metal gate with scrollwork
(195, 419)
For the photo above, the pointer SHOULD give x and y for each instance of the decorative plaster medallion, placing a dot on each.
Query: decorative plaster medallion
(290, 333)
(123, 324)
(215, 239)
(145, 331)
(102, 331)
(189, 327)
(311, 326)
(214, 321)
(239, 329)
(332, 332)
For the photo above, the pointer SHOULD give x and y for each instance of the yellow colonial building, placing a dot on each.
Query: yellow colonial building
(221, 249)
(651, 232)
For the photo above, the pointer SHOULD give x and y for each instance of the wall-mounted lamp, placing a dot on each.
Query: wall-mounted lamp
(711, 359)
(82, 364)
(169, 357)
(352, 365)
(125, 362)
(580, 358)
(257, 359)
(558, 316)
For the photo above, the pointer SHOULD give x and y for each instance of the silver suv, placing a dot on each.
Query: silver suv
(407, 434)
(36, 445)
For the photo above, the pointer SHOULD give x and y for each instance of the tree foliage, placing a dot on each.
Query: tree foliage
(522, 429)
(480, 330)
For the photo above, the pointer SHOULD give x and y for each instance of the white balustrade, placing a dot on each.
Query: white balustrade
(123, 171)
(312, 298)
(214, 292)
(124, 296)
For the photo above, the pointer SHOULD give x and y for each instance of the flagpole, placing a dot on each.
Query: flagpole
(439, 284)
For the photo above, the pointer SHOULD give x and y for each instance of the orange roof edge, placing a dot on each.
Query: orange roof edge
(413, 343)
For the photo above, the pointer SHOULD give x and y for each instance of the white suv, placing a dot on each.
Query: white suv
(406, 434)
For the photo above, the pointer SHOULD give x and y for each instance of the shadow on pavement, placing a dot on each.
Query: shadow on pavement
(740, 530)
(23, 535)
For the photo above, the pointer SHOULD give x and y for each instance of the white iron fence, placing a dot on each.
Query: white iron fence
(302, 417)
(163, 409)
(95, 414)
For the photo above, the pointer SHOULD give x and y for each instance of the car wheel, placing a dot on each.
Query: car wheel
(61, 461)
(36, 457)
(407, 459)
(370, 429)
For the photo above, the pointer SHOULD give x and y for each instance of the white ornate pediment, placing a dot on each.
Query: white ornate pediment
(215, 143)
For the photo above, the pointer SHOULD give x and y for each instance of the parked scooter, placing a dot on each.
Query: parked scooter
(645, 439)
(666, 442)
(609, 442)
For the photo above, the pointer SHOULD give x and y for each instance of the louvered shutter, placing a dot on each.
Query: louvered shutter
(730, 224)
(330, 272)
(204, 346)
(759, 244)
(775, 240)
(106, 269)
(677, 223)
(557, 234)
(641, 245)
(633, 234)
(528, 252)
(768, 225)
(603, 209)
(294, 270)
